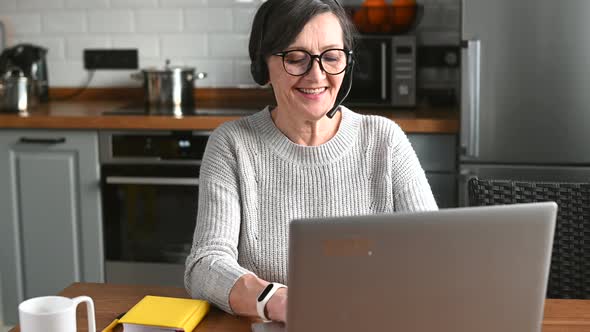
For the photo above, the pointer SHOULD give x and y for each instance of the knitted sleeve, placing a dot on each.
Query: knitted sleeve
(212, 268)
(410, 186)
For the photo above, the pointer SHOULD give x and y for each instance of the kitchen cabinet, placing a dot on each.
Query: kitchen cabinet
(438, 156)
(50, 229)
(1, 309)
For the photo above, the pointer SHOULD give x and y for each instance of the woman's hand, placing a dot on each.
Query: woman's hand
(242, 298)
(276, 307)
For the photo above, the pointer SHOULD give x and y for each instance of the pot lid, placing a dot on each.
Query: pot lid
(13, 74)
(169, 68)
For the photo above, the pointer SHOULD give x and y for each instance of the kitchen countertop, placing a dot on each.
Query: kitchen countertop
(89, 115)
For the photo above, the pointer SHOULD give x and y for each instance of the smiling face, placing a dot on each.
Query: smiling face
(312, 95)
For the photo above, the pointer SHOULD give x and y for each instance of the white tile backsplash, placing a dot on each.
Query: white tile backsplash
(116, 78)
(228, 45)
(55, 22)
(66, 73)
(7, 4)
(243, 19)
(102, 21)
(208, 20)
(219, 72)
(186, 45)
(75, 45)
(134, 3)
(210, 34)
(159, 20)
(40, 4)
(148, 46)
(55, 45)
(235, 3)
(87, 4)
(21, 23)
(183, 3)
(242, 73)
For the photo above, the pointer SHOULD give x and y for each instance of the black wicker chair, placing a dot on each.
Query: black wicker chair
(569, 277)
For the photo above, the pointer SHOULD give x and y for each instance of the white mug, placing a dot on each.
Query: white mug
(53, 314)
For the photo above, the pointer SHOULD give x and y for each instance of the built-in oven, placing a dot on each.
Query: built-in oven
(384, 72)
(149, 183)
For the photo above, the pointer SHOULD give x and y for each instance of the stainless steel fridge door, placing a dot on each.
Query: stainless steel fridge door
(526, 90)
(515, 172)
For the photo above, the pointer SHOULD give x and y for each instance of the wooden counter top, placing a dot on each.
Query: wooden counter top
(110, 300)
(89, 114)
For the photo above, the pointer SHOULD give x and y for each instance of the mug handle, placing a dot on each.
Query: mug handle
(90, 310)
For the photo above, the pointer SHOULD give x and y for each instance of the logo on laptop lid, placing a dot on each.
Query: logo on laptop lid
(348, 247)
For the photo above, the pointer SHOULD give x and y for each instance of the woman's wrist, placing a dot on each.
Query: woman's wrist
(276, 306)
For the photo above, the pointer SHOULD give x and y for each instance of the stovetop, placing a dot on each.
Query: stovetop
(183, 111)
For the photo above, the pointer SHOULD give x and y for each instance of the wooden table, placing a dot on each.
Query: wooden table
(111, 300)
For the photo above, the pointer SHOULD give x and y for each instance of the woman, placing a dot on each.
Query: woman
(291, 161)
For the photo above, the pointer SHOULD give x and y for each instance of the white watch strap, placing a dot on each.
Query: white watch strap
(264, 296)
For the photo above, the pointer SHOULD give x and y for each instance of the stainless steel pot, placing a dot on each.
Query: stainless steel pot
(169, 88)
(17, 93)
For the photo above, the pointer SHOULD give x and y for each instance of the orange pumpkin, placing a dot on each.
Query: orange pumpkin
(403, 12)
(375, 12)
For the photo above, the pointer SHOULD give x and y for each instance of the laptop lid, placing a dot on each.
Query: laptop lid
(455, 270)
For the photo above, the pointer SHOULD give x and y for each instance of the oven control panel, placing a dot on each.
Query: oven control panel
(151, 146)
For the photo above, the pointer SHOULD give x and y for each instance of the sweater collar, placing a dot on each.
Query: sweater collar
(322, 154)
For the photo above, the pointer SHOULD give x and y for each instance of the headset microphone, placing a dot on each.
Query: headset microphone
(344, 91)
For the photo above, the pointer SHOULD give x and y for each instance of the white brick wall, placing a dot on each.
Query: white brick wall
(211, 35)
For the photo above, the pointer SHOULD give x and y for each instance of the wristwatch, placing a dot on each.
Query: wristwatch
(264, 296)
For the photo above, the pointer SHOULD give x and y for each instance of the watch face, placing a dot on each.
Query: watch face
(264, 292)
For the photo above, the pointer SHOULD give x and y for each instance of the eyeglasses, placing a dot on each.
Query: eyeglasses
(299, 62)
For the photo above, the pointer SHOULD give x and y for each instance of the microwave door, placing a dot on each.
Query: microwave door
(372, 74)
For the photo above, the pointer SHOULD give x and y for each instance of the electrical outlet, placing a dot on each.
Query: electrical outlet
(96, 59)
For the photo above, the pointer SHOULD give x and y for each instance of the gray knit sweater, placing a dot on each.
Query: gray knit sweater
(254, 180)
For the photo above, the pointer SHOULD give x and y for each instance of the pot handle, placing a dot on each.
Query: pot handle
(13, 71)
(199, 76)
(137, 76)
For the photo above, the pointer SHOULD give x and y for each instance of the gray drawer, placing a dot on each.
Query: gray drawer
(444, 189)
(436, 152)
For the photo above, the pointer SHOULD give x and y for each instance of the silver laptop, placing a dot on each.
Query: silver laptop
(456, 270)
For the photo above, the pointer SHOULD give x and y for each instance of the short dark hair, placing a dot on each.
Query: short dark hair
(277, 24)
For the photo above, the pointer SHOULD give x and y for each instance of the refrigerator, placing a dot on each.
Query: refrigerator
(525, 91)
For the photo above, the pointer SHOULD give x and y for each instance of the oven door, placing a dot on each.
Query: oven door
(149, 216)
(371, 83)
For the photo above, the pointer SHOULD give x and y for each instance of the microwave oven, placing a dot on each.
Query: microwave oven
(384, 72)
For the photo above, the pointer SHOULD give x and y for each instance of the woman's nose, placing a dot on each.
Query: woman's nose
(316, 70)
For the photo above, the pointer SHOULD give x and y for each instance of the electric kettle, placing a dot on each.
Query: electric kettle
(16, 92)
(31, 61)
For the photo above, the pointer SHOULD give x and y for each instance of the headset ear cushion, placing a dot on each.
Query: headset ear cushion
(254, 71)
(259, 72)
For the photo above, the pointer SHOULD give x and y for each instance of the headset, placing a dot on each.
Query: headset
(259, 68)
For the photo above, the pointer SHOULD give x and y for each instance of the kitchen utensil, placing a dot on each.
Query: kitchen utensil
(169, 88)
(31, 60)
(16, 92)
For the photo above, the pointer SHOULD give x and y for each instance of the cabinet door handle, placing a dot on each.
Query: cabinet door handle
(152, 181)
(471, 97)
(28, 140)
(384, 71)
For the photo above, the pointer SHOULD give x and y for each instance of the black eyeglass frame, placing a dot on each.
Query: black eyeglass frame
(347, 52)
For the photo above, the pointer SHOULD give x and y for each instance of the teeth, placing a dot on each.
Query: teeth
(313, 91)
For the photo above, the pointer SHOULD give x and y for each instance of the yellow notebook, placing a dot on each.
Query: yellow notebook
(157, 313)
